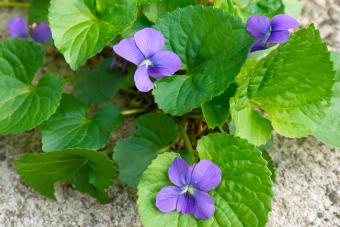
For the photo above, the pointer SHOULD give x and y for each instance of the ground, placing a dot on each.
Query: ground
(308, 172)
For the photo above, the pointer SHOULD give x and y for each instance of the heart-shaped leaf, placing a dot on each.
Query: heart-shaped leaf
(23, 105)
(89, 171)
(81, 29)
(155, 132)
(212, 44)
(72, 127)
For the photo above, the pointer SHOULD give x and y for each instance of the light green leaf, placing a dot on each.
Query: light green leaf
(157, 10)
(216, 111)
(72, 127)
(293, 84)
(38, 11)
(98, 85)
(248, 123)
(89, 171)
(204, 46)
(24, 106)
(242, 199)
(81, 29)
(293, 7)
(247, 8)
(329, 129)
(155, 132)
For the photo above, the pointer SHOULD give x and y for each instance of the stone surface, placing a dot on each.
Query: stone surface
(308, 172)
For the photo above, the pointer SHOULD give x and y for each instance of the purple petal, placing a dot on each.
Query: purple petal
(186, 204)
(142, 79)
(204, 205)
(18, 27)
(128, 50)
(179, 172)
(149, 41)
(258, 26)
(258, 45)
(278, 37)
(206, 175)
(166, 199)
(164, 63)
(283, 22)
(41, 33)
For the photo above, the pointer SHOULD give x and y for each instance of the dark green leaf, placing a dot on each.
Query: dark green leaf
(155, 132)
(100, 84)
(204, 46)
(89, 171)
(24, 106)
(216, 110)
(38, 11)
(81, 29)
(72, 127)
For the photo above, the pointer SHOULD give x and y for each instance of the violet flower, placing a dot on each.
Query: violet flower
(18, 27)
(190, 195)
(268, 31)
(145, 50)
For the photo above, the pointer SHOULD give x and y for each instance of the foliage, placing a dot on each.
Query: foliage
(90, 172)
(244, 196)
(289, 88)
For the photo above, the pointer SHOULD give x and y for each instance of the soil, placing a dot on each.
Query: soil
(307, 171)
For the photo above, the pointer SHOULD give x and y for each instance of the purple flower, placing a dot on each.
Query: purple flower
(268, 31)
(190, 195)
(145, 50)
(18, 27)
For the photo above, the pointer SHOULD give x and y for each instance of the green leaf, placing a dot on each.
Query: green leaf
(204, 46)
(38, 11)
(248, 123)
(216, 111)
(157, 10)
(89, 171)
(24, 106)
(72, 127)
(293, 84)
(247, 8)
(329, 129)
(99, 84)
(82, 29)
(242, 199)
(155, 132)
(293, 7)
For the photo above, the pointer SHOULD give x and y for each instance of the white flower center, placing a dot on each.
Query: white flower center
(146, 62)
(188, 189)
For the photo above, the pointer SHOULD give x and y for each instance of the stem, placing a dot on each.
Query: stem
(133, 111)
(15, 4)
(187, 142)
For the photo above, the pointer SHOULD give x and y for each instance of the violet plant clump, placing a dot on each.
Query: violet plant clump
(190, 195)
(185, 73)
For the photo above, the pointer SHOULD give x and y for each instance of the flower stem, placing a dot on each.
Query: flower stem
(187, 142)
(133, 111)
(15, 4)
